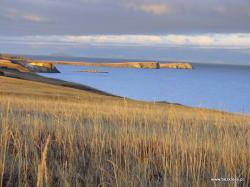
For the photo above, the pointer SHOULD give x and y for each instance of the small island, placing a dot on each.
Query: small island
(92, 71)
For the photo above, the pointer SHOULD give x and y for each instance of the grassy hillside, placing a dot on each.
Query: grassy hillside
(24, 65)
(9, 65)
(57, 136)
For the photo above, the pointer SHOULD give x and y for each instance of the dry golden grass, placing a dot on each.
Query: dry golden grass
(57, 136)
(9, 64)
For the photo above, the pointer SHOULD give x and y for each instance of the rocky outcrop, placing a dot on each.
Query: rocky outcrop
(42, 67)
(176, 65)
(27, 66)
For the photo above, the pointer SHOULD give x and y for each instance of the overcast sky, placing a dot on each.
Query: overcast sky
(204, 30)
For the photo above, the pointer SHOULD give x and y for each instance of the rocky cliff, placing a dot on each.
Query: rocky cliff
(25, 65)
(176, 65)
(145, 64)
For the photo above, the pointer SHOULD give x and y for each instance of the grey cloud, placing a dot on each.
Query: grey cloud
(77, 17)
(152, 8)
(16, 15)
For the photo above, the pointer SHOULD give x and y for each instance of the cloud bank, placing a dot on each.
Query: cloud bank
(234, 40)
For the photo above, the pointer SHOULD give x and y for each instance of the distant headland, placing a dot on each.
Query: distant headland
(139, 64)
(23, 64)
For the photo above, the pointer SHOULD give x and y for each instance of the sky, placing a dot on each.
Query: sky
(215, 31)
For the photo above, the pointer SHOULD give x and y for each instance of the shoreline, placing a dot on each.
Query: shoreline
(38, 78)
(58, 82)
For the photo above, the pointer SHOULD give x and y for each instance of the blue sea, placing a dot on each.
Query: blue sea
(222, 87)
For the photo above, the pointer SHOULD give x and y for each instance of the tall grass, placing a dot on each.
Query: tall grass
(82, 142)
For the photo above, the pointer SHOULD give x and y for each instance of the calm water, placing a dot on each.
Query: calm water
(210, 86)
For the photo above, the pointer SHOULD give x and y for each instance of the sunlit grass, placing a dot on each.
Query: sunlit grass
(64, 137)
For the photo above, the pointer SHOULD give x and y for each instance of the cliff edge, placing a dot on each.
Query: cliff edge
(24, 65)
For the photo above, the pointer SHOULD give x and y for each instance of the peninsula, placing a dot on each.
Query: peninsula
(23, 64)
(133, 64)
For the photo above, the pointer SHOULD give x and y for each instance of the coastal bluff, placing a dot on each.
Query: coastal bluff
(23, 64)
(143, 64)
(180, 65)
